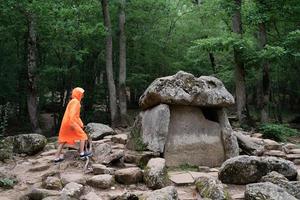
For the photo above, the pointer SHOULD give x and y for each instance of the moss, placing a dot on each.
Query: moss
(137, 140)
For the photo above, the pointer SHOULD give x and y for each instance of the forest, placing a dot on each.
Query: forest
(115, 49)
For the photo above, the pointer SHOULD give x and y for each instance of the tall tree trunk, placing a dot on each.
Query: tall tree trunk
(266, 76)
(122, 62)
(109, 65)
(212, 62)
(32, 96)
(240, 86)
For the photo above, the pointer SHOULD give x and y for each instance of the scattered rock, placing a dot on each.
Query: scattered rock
(272, 145)
(38, 168)
(52, 183)
(102, 151)
(167, 193)
(102, 169)
(49, 153)
(281, 181)
(211, 188)
(101, 181)
(155, 174)
(249, 145)
(72, 190)
(90, 196)
(203, 169)
(267, 190)
(116, 156)
(29, 144)
(120, 138)
(37, 193)
(129, 175)
(250, 169)
(275, 153)
(292, 156)
(181, 178)
(99, 131)
(294, 151)
(257, 135)
(76, 177)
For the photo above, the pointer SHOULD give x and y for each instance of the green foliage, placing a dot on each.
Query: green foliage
(7, 183)
(278, 132)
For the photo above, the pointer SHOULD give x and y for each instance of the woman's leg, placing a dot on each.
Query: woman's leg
(59, 149)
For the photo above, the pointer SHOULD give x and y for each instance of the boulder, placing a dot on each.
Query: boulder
(266, 191)
(281, 181)
(193, 139)
(185, 89)
(129, 176)
(6, 149)
(101, 181)
(211, 188)
(150, 129)
(140, 158)
(115, 157)
(166, 193)
(250, 145)
(72, 190)
(29, 144)
(155, 174)
(98, 131)
(250, 169)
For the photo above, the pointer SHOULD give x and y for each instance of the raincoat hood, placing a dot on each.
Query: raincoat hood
(77, 93)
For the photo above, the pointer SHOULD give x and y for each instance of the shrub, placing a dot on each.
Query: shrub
(7, 183)
(278, 132)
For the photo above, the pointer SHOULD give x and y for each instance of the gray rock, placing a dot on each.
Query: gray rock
(29, 144)
(250, 169)
(120, 138)
(193, 139)
(140, 158)
(102, 151)
(102, 169)
(211, 188)
(129, 176)
(266, 191)
(281, 181)
(101, 181)
(167, 193)
(250, 145)
(90, 196)
(52, 183)
(6, 149)
(150, 129)
(72, 190)
(155, 174)
(38, 194)
(185, 89)
(114, 157)
(99, 131)
(77, 177)
(230, 142)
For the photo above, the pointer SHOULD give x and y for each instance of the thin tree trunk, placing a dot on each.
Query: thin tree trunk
(266, 76)
(109, 65)
(212, 62)
(240, 86)
(32, 96)
(122, 62)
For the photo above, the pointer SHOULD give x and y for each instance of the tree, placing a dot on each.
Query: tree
(109, 65)
(122, 64)
(240, 85)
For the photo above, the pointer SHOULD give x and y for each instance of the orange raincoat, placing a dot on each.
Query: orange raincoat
(71, 126)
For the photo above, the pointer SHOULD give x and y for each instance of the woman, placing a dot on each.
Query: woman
(72, 127)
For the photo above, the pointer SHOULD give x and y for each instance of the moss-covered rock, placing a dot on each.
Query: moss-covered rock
(6, 149)
(29, 144)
